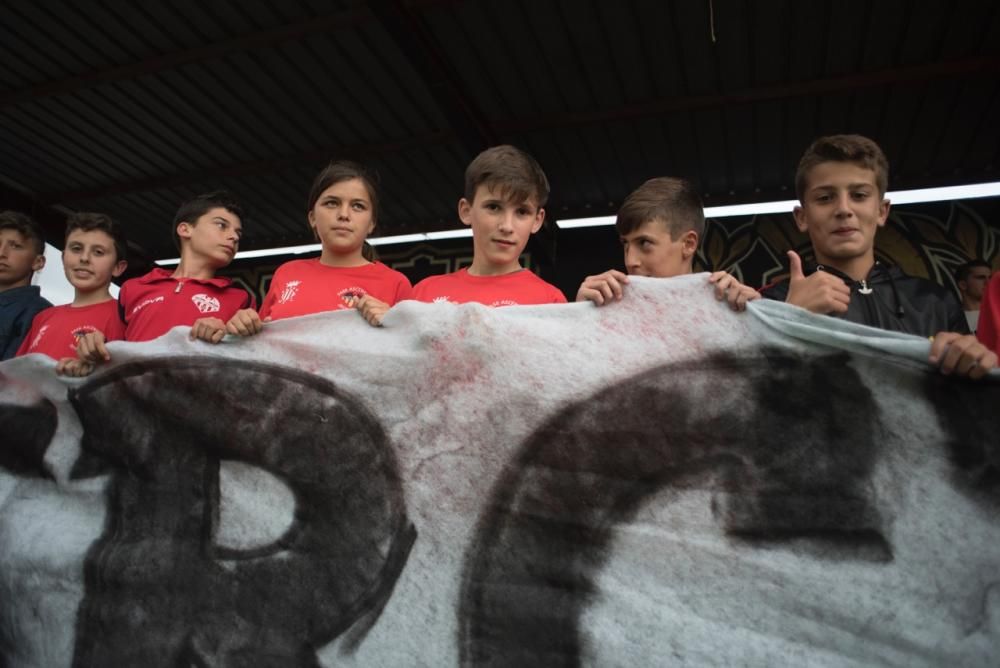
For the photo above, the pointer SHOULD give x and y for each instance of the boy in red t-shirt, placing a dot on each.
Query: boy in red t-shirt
(207, 232)
(94, 254)
(505, 190)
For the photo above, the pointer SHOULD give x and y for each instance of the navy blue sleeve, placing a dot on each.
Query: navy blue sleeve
(13, 332)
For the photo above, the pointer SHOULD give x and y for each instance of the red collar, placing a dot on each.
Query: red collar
(159, 275)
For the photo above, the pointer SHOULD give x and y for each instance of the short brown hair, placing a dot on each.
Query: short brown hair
(672, 201)
(859, 150)
(510, 171)
(193, 209)
(89, 222)
(26, 225)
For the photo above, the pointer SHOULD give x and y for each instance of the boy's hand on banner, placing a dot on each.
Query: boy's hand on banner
(603, 288)
(211, 330)
(245, 322)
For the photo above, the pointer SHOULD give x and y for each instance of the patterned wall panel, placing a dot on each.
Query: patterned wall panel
(930, 242)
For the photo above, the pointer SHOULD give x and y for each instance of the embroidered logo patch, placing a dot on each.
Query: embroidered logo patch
(289, 291)
(205, 303)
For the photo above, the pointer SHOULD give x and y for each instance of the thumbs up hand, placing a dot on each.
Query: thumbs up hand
(820, 293)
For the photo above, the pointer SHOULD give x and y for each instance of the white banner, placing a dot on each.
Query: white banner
(656, 482)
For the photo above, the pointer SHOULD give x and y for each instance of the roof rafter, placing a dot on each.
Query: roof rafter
(269, 37)
(413, 38)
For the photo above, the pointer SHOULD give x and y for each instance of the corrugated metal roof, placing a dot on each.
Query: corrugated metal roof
(129, 108)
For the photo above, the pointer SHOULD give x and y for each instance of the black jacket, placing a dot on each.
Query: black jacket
(889, 299)
(18, 306)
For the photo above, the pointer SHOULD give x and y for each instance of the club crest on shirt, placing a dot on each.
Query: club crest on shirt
(289, 291)
(80, 332)
(205, 303)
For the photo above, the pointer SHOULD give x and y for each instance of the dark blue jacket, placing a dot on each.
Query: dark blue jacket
(18, 307)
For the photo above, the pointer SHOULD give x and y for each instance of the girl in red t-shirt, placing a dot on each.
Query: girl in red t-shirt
(343, 209)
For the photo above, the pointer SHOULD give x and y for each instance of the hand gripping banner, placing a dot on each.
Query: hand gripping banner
(655, 482)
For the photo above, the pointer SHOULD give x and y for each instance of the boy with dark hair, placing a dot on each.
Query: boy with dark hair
(505, 192)
(22, 253)
(207, 232)
(660, 225)
(841, 182)
(971, 279)
(94, 253)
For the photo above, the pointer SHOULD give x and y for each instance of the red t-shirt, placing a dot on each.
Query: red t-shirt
(301, 287)
(460, 287)
(153, 304)
(988, 330)
(55, 330)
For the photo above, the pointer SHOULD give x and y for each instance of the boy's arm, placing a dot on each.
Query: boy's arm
(962, 355)
(603, 288)
(728, 288)
(28, 337)
(819, 292)
(404, 291)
